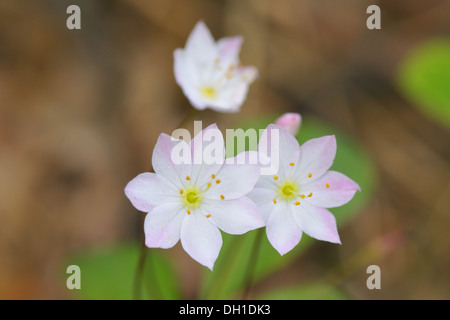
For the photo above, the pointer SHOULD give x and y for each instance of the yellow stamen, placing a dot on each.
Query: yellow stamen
(274, 200)
(218, 181)
(208, 215)
(275, 177)
(209, 184)
(310, 175)
(181, 191)
(297, 203)
(302, 196)
(222, 197)
(310, 195)
(188, 178)
(188, 211)
(292, 164)
(327, 185)
(213, 176)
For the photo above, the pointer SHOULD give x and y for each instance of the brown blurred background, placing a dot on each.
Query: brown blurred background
(80, 111)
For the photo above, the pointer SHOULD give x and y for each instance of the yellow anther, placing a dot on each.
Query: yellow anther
(209, 184)
(310, 195)
(222, 197)
(297, 203)
(208, 215)
(292, 164)
(327, 185)
(302, 196)
(218, 181)
(275, 177)
(274, 200)
(181, 191)
(188, 211)
(188, 178)
(213, 176)
(310, 175)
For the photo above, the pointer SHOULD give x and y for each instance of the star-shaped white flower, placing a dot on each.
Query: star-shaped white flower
(191, 202)
(209, 72)
(294, 200)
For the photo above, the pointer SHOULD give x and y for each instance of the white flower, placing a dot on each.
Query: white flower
(209, 72)
(192, 201)
(294, 200)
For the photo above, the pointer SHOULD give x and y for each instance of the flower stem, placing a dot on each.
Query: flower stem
(250, 272)
(137, 286)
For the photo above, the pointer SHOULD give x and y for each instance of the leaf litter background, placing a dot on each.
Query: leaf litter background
(80, 112)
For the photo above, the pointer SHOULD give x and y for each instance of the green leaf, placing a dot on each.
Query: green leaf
(307, 291)
(227, 280)
(108, 274)
(424, 78)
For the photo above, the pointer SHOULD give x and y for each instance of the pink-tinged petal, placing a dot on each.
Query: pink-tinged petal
(170, 165)
(229, 48)
(208, 153)
(201, 239)
(333, 189)
(162, 225)
(246, 74)
(233, 216)
(281, 148)
(317, 156)
(263, 198)
(233, 92)
(186, 74)
(200, 46)
(290, 121)
(149, 190)
(233, 180)
(316, 222)
(282, 230)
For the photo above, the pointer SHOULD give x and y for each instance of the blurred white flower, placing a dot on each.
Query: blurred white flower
(209, 72)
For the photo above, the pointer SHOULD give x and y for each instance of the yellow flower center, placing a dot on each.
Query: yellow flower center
(208, 92)
(288, 190)
(192, 197)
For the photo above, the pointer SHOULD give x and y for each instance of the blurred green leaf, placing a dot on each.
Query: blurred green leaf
(229, 270)
(424, 78)
(307, 291)
(108, 274)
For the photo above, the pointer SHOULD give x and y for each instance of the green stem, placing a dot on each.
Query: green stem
(137, 287)
(250, 272)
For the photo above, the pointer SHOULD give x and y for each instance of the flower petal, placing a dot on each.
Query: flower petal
(333, 189)
(163, 160)
(263, 198)
(148, 190)
(200, 45)
(201, 239)
(188, 78)
(208, 153)
(163, 224)
(316, 222)
(317, 156)
(233, 216)
(290, 121)
(233, 180)
(282, 230)
(229, 48)
(281, 148)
